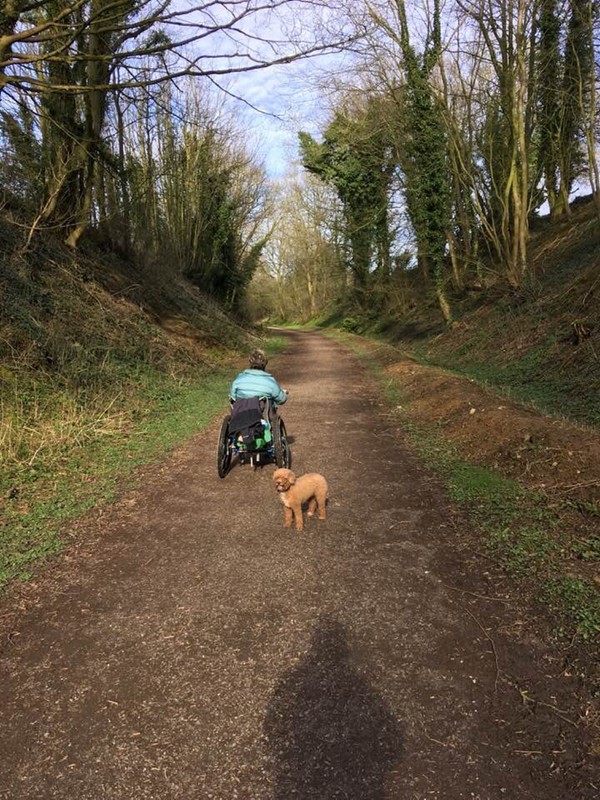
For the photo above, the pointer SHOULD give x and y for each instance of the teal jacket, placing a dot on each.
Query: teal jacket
(257, 383)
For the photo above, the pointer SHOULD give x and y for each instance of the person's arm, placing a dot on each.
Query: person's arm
(279, 395)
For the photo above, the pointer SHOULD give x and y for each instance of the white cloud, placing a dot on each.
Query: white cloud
(275, 102)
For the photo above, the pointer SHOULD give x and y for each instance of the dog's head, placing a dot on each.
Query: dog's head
(283, 479)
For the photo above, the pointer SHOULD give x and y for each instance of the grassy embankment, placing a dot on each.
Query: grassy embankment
(85, 457)
(546, 543)
(102, 369)
(541, 349)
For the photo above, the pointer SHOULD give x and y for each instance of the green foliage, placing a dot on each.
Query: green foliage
(586, 507)
(422, 151)
(525, 551)
(589, 549)
(550, 67)
(274, 345)
(350, 324)
(579, 73)
(355, 159)
(424, 160)
(578, 601)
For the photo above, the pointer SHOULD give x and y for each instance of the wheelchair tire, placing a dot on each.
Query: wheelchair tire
(223, 449)
(281, 447)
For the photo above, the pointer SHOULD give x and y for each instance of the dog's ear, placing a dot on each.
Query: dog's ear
(291, 477)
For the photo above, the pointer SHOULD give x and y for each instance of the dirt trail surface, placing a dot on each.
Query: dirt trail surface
(187, 646)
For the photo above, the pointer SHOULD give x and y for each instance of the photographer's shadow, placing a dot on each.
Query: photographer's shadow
(330, 734)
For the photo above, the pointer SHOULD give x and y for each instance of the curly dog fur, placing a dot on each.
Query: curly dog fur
(310, 488)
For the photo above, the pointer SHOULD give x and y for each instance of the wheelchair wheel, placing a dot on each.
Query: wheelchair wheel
(223, 449)
(283, 455)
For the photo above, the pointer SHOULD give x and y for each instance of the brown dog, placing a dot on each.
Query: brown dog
(311, 488)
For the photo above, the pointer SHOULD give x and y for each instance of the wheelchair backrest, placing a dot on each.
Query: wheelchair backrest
(248, 424)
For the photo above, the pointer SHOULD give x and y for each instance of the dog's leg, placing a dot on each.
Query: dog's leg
(321, 498)
(287, 517)
(297, 509)
(312, 504)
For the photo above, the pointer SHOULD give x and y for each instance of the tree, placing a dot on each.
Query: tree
(421, 145)
(198, 201)
(73, 58)
(566, 82)
(505, 28)
(32, 31)
(550, 61)
(578, 128)
(355, 158)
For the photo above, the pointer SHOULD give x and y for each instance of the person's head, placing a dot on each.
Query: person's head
(258, 359)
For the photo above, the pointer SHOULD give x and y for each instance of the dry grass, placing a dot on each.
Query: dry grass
(32, 431)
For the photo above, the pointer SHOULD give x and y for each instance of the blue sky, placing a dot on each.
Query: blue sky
(285, 94)
(289, 103)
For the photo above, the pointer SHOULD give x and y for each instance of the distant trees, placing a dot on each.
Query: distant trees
(303, 271)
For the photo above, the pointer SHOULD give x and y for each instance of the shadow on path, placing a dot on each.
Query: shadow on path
(330, 734)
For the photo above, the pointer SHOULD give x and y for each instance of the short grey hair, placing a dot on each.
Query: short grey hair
(258, 359)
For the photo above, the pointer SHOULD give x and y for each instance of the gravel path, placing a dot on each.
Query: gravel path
(188, 646)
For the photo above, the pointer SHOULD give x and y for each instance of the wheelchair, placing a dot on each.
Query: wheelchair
(267, 444)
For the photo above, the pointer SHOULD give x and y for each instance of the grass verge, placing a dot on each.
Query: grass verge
(47, 488)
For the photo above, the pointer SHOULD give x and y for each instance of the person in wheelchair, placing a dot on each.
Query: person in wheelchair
(255, 396)
(257, 382)
(254, 430)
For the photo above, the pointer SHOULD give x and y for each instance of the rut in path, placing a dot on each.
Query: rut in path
(187, 646)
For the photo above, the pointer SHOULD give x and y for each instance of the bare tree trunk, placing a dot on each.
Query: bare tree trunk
(590, 124)
(505, 29)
